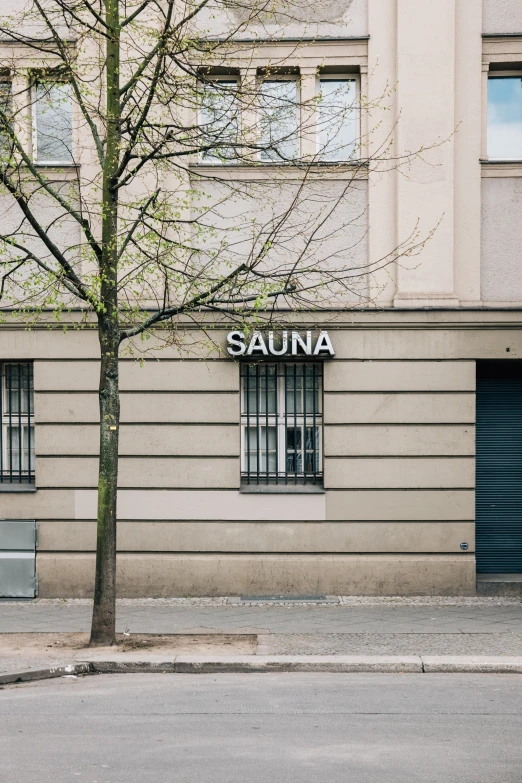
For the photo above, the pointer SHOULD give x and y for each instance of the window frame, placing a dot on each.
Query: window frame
(497, 75)
(347, 77)
(282, 421)
(34, 123)
(6, 80)
(20, 421)
(214, 160)
(283, 77)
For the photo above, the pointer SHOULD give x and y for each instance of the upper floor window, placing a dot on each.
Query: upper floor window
(52, 123)
(332, 119)
(338, 118)
(17, 426)
(281, 423)
(218, 119)
(5, 100)
(505, 118)
(278, 119)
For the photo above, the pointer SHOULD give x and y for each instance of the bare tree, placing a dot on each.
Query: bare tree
(136, 194)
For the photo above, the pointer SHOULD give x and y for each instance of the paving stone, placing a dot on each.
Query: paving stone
(390, 644)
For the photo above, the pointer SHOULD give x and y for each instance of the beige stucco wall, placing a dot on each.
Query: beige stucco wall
(399, 464)
(199, 574)
(399, 467)
(501, 239)
(502, 16)
(296, 19)
(399, 397)
(334, 209)
(430, 57)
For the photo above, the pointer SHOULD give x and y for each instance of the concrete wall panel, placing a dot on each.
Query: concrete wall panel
(164, 504)
(379, 473)
(399, 440)
(141, 472)
(440, 408)
(177, 575)
(136, 439)
(404, 505)
(303, 537)
(399, 376)
(203, 408)
(184, 376)
(47, 344)
(438, 344)
(42, 504)
(181, 505)
(83, 343)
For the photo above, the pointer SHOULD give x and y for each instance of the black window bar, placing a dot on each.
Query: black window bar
(17, 426)
(281, 423)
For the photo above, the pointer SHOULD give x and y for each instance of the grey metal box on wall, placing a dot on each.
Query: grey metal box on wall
(18, 540)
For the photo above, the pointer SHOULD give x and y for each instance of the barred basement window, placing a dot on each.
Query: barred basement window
(281, 423)
(17, 430)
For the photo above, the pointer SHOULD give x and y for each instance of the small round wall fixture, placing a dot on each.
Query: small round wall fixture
(464, 546)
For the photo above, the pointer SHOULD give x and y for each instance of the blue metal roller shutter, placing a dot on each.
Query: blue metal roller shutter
(499, 468)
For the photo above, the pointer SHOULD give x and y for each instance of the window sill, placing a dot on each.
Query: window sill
(59, 164)
(501, 168)
(282, 489)
(17, 488)
(58, 171)
(267, 171)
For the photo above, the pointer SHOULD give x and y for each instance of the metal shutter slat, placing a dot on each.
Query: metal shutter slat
(499, 473)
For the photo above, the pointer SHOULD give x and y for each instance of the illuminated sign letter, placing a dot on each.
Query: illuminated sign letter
(284, 344)
(236, 345)
(298, 340)
(257, 344)
(324, 344)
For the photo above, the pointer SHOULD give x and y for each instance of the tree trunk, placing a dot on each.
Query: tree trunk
(103, 630)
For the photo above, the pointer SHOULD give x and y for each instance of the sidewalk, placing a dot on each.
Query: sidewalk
(338, 628)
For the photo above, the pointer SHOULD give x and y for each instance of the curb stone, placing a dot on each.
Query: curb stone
(473, 664)
(131, 663)
(297, 663)
(206, 664)
(214, 664)
(45, 674)
(198, 664)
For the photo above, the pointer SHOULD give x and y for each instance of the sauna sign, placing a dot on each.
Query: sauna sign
(280, 344)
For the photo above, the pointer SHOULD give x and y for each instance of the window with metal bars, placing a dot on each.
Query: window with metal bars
(17, 430)
(281, 423)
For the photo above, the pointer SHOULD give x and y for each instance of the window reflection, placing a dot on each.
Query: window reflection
(337, 119)
(278, 120)
(54, 123)
(505, 118)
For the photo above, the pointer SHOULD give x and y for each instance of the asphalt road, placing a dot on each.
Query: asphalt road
(263, 728)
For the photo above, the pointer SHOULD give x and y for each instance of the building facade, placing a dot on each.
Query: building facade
(373, 450)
